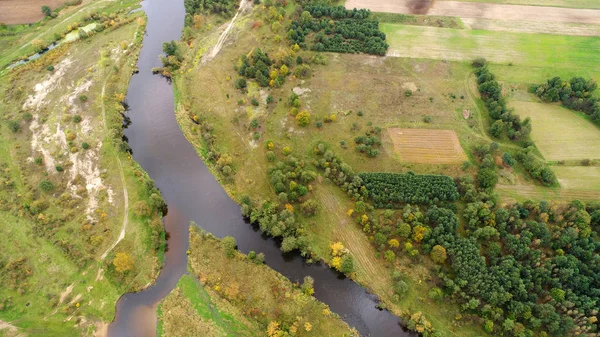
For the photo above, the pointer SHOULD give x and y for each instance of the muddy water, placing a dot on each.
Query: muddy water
(193, 194)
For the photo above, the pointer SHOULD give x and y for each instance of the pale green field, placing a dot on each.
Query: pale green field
(578, 177)
(594, 4)
(533, 57)
(560, 134)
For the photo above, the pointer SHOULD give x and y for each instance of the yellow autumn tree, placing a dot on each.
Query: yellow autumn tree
(394, 243)
(336, 248)
(123, 262)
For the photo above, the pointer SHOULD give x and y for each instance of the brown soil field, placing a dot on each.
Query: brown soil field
(481, 10)
(24, 11)
(427, 146)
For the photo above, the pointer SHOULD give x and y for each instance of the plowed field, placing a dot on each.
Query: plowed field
(427, 146)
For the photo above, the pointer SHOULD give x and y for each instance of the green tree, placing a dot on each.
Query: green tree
(47, 10)
(438, 254)
(229, 245)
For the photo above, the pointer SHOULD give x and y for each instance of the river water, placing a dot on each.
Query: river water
(192, 193)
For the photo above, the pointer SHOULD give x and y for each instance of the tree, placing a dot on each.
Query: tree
(123, 262)
(487, 178)
(141, 209)
(389, 256)
(303, 118)
(308, 286)
(438, 254)
(47, 10)
(229, 245)
(347, 266)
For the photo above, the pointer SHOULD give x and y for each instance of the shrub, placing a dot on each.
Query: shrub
(435, 293)
(303, 118)
(46, 185)
(254, 123)
(479, 62)
(50, 68)
(85, 145)
(141, 209)
(408, 93)
(83, 98)
(270, 155)
(229, 245)
(14, 126)
(254, 102)
(76, 119)
(240, 83)
(59, 168)
(427, 119)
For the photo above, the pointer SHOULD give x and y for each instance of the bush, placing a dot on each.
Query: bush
(59, 168)
(229, 245)
(85, 145)
(303, 118)
(50, 68)
(76, 119)
(46, 185)
(254, 102)
(427, 119)
(479, 62)
(83, 98)
(14, 126)
(240, 83)
(408, 93)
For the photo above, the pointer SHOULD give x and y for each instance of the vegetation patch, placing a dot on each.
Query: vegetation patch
(387, 190)
(266, 298)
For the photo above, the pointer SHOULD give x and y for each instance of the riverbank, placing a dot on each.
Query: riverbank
(220, 298)
(63, 191)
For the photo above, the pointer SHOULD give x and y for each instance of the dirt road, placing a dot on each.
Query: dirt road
(481, 10)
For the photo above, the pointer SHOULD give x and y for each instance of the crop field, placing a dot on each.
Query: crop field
(24, 11)
(559, 133)
(593, 4)
(483, 10)
(427, 146)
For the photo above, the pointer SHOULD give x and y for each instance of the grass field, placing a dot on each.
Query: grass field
(521, 49)
(427, 146)
(559, 133)
(194, 310)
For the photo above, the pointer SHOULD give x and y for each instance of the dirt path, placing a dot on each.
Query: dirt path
(217, 47)
(122, 174)
(481, 10)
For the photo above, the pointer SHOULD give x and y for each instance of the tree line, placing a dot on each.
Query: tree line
(506, 122)
(576, 94)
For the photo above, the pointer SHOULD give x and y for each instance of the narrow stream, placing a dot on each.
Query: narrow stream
(192, 193)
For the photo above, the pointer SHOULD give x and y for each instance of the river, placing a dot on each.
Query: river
(193, 194)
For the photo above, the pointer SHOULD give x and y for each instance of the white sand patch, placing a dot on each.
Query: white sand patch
(409, 86)
(300, 91)
(43, 88)
(111, 195)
